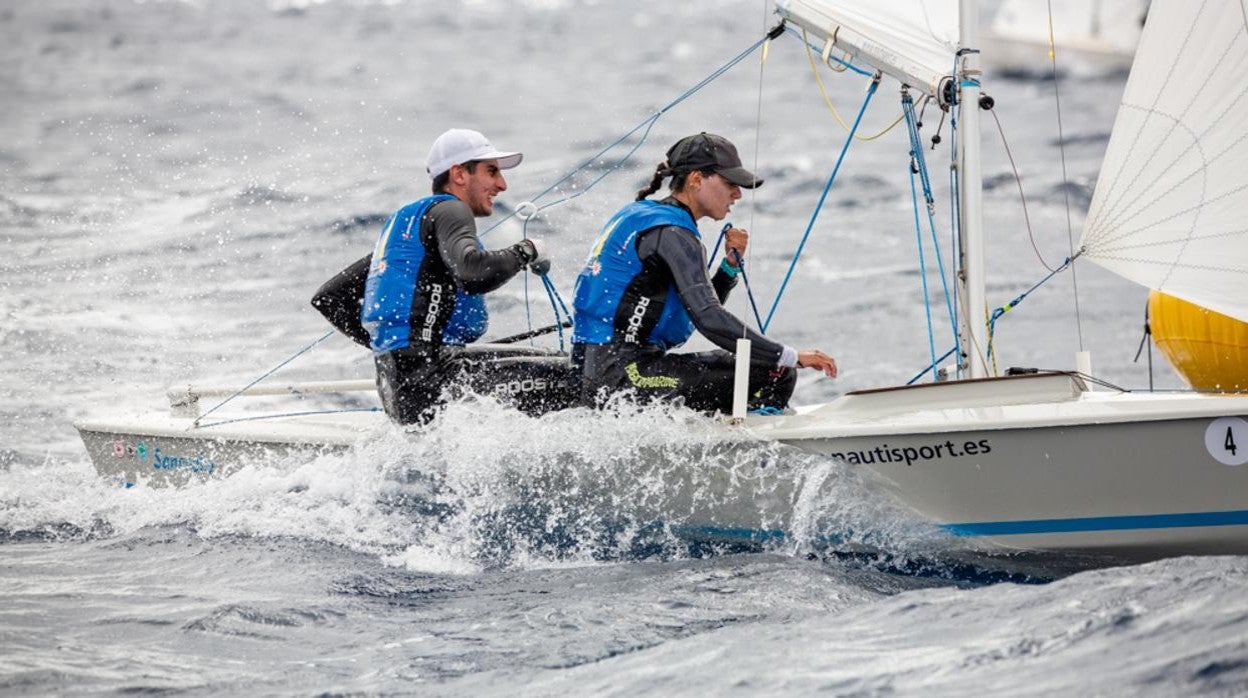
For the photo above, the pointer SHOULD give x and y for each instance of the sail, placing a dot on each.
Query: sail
(914, 41)
(1170, 209)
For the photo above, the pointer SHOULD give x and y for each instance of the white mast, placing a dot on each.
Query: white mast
(974, 329)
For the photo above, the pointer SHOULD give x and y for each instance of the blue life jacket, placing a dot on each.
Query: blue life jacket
(611, 268)
(411, 297)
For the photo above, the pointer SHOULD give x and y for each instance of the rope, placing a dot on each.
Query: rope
(268, 373)
(933, 366)
(908, 110)
(749, 292)
(758, 114)
(554, 296)
(828, 101)
(647, 124)
(875, 83)
(1061, 141)
(992, 321)
(260, 417)
(1018, 179)
(844, 65)
(919, 167)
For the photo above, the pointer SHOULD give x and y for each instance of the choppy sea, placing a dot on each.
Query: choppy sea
(177, 178)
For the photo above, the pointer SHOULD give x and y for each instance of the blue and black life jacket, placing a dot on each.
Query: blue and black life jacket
(411, 297)
(611, 302)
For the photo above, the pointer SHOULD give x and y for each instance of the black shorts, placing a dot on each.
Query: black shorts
(413, 383)
(702, 381)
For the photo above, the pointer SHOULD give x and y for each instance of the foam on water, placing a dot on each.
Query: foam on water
(577, 486)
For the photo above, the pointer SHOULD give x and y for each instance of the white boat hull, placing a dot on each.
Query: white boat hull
(1028, 462)
(1034, 462)
(164, 449)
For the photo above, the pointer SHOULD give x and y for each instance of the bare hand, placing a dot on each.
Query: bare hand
(735, 242)
(813, 358)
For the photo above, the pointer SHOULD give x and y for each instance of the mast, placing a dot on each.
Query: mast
(974, 326)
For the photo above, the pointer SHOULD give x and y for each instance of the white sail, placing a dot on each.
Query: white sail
(1170, 210)
(914, 41)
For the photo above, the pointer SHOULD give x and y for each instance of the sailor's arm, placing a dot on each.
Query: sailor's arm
(687, 263)
(475, 270)
(340, 298)
(686, 260)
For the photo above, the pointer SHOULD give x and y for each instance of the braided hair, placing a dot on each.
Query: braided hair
(663, 171)
(660, 173)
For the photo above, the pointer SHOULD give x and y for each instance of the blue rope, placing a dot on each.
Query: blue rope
(749, 292)
(918, 234)
(920, 165)
(554, 297)
(722, 232)
(647, 124)
(875, 83)
(998, 312)
(932, 367)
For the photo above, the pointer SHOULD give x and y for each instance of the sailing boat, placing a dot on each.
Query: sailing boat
(1040, 461)
(1034, 461)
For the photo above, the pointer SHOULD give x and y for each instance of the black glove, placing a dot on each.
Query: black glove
(533, 254)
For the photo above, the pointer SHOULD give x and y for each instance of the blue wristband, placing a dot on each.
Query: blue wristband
(728, 269)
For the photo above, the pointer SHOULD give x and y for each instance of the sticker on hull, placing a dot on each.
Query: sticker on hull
(140, 451)
(1226, 439)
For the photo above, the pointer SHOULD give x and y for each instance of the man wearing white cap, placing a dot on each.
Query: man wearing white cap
(422, 296)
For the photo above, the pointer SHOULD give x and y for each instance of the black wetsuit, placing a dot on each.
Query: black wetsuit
(672, 256)
(412, 381)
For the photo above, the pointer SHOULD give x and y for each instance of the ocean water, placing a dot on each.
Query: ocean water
(179, 177)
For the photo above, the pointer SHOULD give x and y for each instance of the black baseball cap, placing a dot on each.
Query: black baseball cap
(707, 151)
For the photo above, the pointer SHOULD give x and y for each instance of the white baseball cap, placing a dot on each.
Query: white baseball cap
(460, 145)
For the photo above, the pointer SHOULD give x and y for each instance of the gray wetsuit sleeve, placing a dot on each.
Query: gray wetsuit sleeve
(475, 270)
(686, 260)
(723, 284)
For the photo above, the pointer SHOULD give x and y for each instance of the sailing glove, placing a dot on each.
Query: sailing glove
(535, 257)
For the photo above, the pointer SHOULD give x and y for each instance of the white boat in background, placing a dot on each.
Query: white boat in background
(1088, 36)
(1037, 461)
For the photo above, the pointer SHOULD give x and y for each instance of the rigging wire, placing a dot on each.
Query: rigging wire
(262, 376)
(647, 124)
(1061, 143)
(998, 312)
(758, 113)
(283, 415)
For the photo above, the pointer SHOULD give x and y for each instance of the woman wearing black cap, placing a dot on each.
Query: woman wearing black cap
(645, 289)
